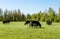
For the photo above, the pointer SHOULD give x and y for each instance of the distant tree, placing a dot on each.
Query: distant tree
(56, 18)
(14, 15)
(59, 12)
(34, 16)
(44, 17)
(19, 15)
(5, 14)
(28, 16)
(1, 14)
(39, 16)
(51, 13)
(23, 17)
(10, 15)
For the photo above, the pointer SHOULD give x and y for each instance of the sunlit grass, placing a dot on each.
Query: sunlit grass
(17, 30)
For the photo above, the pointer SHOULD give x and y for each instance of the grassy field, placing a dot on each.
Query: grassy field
(17, 30)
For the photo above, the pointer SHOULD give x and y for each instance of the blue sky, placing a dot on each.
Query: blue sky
(30, 6)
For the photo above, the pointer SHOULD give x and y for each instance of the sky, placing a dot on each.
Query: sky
(30, 6)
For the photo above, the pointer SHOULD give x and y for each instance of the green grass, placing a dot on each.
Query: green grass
(17, 30)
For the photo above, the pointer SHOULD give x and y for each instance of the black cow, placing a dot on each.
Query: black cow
(33, 23)
(49, 22)
(6, 21)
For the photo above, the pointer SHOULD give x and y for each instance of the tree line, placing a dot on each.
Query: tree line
(17, 15)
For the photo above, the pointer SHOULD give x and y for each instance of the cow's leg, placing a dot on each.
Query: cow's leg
(31, 25)
(35, 26)
(40, 26)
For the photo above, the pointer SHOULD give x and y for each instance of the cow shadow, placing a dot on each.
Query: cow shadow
(37, 27)
(42, 27)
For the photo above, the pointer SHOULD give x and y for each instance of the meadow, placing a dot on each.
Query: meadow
(17, 30)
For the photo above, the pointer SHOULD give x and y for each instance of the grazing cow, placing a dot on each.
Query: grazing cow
(6, 21)
(33, 23)
(49, 22)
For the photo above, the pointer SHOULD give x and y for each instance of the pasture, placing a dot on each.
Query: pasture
(17, 30)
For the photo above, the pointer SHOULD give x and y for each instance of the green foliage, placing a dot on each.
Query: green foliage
(51, 13)
(34, 16)
(56, 19)
(16, 15)
(59, 12)
(28, 16)
(1, 12)
(39, 16)
(23, 17)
